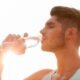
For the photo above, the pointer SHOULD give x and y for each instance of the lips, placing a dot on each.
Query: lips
(43, 39)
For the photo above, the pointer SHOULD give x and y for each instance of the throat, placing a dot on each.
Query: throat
(67, 66)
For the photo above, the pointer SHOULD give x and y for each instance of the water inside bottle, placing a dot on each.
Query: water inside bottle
(32, 41)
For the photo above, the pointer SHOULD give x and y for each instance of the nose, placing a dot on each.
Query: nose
(43, 31)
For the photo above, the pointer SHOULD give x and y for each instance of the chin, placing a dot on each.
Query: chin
(46, 49)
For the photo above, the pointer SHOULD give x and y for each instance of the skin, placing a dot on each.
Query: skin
(38, 75)
(1, 66)
(1, 62)
(65, 47)
(18, 47)
(51, 40)
(64, 44)
(14, 43)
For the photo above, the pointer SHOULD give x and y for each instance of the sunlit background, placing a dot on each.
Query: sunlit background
(18, 17)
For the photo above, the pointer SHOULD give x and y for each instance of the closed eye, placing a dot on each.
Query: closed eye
(51, 26)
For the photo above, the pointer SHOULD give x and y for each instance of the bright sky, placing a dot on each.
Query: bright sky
(19, 16)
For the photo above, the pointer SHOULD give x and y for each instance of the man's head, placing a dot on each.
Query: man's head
(68, 17)
(62, 28)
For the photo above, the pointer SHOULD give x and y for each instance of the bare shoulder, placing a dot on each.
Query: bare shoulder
(38, 75)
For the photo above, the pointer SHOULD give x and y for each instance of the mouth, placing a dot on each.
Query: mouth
(43, 39)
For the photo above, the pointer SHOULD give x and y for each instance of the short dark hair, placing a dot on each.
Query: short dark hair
(69, 17)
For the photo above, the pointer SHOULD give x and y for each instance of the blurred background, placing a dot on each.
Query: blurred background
(18, 17)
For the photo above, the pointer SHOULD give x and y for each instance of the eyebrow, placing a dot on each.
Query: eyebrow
(50, 23)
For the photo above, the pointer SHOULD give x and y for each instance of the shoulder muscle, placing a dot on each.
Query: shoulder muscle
(38, 75)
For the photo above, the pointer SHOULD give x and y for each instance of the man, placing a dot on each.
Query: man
(61, 37)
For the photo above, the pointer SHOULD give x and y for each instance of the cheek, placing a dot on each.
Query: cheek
(55, 37)
(52, 35)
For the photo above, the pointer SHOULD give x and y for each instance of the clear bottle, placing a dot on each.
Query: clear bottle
(32, 41)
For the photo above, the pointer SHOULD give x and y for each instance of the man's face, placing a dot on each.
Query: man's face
(52, 35)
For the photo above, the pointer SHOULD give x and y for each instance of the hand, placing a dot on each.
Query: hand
(14, 43)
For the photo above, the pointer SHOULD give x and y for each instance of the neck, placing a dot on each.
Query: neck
(68, 61)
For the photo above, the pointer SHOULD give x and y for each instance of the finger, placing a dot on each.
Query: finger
(21, 40)
(25, 35)
(8, 38)
(16, 37)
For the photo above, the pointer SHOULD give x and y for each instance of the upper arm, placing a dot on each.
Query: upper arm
(38, 75)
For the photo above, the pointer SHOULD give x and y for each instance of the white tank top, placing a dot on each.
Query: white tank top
(76, 76)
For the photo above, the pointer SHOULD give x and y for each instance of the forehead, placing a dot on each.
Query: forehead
(53, 21)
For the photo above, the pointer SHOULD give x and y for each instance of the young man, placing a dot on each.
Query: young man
(61, 37)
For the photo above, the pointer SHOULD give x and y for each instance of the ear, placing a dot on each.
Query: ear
(71, 33)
